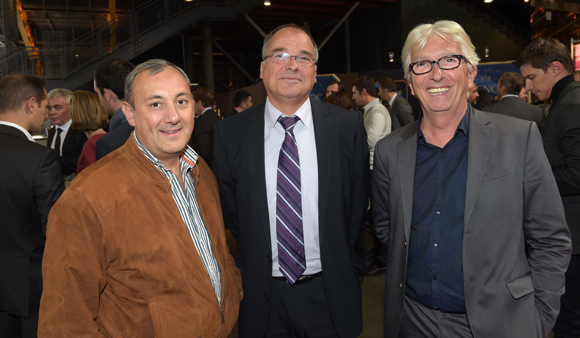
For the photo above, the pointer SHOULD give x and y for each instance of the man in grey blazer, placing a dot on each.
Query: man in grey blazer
(509, 87)
(457, 196)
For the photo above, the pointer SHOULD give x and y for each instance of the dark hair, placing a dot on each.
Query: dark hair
(111, 74)
(388, 84)
(366, 82)
(279, 28)
(484, 96)
(513, 82)
(205, 95)
(541, 53)
(17, 88)
(240, 97)
(339, 99)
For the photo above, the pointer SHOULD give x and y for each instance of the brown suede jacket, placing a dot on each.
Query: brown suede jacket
(120, 262)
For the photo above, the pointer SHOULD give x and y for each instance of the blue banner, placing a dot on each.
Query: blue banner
(489, 74)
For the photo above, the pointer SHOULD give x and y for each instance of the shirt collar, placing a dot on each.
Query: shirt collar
(10, 124)
(304, 113)
(392, 99)
(65, 127)
(509, 95)
(463, 124)
(371, 104)
(559, 87)
(187, 158)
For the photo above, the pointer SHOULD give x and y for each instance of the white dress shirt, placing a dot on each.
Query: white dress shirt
(65, 127)
(10, 124)
(274, 135)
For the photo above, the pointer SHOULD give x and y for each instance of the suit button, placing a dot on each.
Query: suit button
(266, 297)
(405, 243)
(401, 286)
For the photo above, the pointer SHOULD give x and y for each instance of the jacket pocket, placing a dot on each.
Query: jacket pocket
(492, 175)
(521, 286)
(150, 326)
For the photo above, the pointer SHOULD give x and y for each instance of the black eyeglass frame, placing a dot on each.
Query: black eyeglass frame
(458, 56)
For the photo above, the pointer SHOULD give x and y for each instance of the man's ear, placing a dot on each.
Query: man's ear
(31, 104)
(129, 113)
(109, 95)
(364, 92)
(556, 67)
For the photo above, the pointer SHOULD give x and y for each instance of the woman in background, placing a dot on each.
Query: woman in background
(88, 115)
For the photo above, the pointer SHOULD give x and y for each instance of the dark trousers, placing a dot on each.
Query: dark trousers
(22, 327)
(568, 322)
(421, 322)
(300, 310)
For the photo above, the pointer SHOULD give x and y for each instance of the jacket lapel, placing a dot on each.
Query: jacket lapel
(480, 140)
(255, 151)
(407, 155)
(323, 130)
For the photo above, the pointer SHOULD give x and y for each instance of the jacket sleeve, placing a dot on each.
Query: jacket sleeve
(568, 178)
(48, 184)
(222, 172)
(545, 231)
(73, 269)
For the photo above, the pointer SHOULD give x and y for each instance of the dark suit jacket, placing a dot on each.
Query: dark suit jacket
(231, 113)
(30, 183)
(513, 106)
(511, 200)
(342, 153)
(202, 136)
(401, 113)
(561, 133)
(113, 140)
(71, 149)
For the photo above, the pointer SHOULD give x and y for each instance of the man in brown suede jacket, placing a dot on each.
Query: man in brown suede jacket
(146, 255)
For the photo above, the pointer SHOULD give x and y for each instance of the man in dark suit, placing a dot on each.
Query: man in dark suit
(31, 182)
(242, 101)
(457, 196)
(293, 177)
(548, 69)
(400, 110)
(205, 119)
(509, 87)
(67, 142)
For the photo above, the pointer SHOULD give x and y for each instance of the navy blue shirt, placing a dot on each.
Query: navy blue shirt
(434, 265)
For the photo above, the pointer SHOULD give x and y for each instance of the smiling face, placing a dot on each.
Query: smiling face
(288, 83)
(58, 110)
(163, 114)
(538, 81)
(441, 91)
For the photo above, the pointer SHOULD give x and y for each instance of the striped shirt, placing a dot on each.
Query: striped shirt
(186, 202)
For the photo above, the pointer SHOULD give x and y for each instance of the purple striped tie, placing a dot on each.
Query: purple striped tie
(291, 256)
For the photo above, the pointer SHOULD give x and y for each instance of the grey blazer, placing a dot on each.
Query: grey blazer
(513, 106)
(511, 199)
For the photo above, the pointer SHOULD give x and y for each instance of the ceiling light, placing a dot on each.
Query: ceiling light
(487, 1)
(267, 3)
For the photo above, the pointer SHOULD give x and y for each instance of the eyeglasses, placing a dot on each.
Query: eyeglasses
(280, 57)
(446, 63)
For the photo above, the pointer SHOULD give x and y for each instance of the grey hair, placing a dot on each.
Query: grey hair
(58, 92)
(153, 66)
(447, 30)
(279, 28)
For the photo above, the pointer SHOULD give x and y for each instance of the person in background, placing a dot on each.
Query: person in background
(242, 101)
(340, 99)
(90, 117)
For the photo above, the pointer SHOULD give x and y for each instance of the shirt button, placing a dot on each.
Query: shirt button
(439, 181)
(435, 244)
(211, 268)
(438, 212)
(401, 286)
(405, 243)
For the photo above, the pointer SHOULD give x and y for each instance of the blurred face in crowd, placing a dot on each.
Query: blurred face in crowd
(58, 110)
(538, 81)
(358, 97)
(441, 91)
(523, 94)
(333, 88)
(163, 115)
(247, 104)
(288, 83)
(473, 94)
(39, 114)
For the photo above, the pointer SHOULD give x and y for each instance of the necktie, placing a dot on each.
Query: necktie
(57, 141)
(291, 256)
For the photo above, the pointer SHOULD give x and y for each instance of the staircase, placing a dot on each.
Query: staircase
(131, 34)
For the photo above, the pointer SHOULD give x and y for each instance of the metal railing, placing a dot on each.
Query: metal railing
(60, 63)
